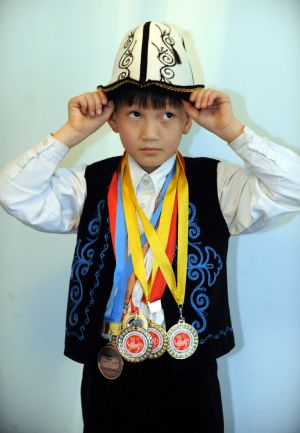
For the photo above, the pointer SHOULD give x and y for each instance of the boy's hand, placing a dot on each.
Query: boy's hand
(86, 113)
(212, 110)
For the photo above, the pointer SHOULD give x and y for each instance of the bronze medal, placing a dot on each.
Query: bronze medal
(182, 340)
(110, 362)
(159, 340)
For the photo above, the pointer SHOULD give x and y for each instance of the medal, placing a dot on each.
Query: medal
(110, 362)
(159, 340)
(182, 339)
(135, 318)
(134, 343)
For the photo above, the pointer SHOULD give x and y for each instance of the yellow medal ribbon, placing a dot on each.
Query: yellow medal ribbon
(158, 240)
(165, 218)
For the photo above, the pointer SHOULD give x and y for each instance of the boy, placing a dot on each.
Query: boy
(124, 296)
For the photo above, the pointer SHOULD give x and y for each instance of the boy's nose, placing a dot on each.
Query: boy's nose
(150, 130)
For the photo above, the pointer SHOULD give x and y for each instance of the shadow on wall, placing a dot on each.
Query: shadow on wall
(223, 362)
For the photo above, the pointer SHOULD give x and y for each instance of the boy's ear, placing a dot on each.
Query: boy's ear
(188, 124)
(112, 121)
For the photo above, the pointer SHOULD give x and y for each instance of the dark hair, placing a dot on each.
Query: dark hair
(146, 97)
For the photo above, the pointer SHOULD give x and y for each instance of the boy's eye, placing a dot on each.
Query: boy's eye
(134, 114)
(168, 115)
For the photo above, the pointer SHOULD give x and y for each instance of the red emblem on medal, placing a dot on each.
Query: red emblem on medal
(181, 341)
(156, 341)
(134, 343)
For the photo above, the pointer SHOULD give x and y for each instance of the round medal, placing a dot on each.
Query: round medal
(134, 344)
(110, 363)
(159, 340)
(182, 340)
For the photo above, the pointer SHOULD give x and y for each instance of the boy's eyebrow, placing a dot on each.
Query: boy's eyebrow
(137, 106)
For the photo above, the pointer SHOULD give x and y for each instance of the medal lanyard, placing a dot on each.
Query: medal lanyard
(113, 313)
(158, 282)
(157, 243)
(165, 223)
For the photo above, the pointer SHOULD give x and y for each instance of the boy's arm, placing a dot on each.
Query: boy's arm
(38, 194)
(268, 186)
(32, 188)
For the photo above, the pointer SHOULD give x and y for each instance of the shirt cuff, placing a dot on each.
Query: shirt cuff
(253, 148)
(49, 152)
(247, 135)
(50, 148)
(60, 148)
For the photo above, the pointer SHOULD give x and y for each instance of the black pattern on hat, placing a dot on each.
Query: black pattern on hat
(152, 55)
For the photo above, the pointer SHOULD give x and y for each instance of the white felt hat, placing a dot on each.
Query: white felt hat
(153, 54)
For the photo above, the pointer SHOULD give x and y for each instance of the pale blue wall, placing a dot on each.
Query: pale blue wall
(52, 50)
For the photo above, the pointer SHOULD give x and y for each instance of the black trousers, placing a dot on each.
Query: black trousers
(151, 396)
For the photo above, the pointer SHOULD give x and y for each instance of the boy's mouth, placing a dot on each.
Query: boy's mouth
(150, 149)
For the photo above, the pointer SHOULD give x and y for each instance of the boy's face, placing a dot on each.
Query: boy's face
(150, 136)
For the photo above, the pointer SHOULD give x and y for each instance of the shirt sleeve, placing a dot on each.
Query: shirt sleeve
(267, 186)
(39, 194)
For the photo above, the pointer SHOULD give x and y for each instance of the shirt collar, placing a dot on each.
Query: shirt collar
(158, 176)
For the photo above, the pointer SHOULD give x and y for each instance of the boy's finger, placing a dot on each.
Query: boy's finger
(192, 96)
(102, 96)
(91, 104)
(195, 94)
(98, 103)
(82, 103)
(199, 99)
(208, 99)
(212, 96)
(190, 109)
(108, 110)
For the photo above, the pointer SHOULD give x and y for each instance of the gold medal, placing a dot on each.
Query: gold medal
(134, 344)
(182, 340)
(159, 340)
(110, 362)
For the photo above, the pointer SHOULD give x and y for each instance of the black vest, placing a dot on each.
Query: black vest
(206, 300)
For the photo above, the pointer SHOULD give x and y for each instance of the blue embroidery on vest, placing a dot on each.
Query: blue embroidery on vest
(216, 336)
(83, 259)
(204, 266)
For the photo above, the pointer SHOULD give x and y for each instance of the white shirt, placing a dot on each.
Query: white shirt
(34, 191)
(251, 197)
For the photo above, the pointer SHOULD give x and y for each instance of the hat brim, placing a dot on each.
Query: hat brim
(183, 92)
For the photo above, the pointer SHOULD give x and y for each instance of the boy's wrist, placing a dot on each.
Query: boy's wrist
(232, 132)
(68, 135)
